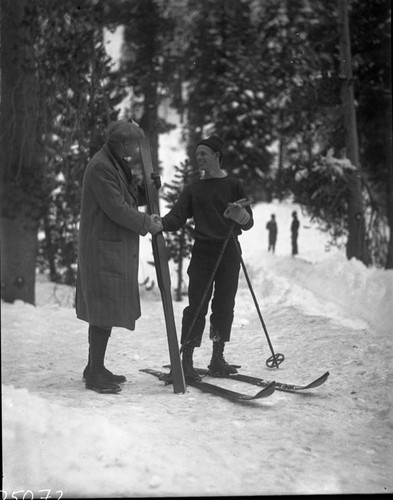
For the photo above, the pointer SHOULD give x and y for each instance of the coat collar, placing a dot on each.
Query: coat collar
(132, 189)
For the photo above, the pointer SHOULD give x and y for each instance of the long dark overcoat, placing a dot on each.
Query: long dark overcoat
(107, 291)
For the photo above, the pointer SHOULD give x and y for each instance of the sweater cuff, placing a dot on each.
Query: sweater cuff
(146, 224)
(245, 219)
(248, 225)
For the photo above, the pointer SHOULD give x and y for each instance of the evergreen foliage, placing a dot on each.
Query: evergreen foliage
(78, 96)
(223, 89)
(179, 244)
(326, 132)
(262, 74)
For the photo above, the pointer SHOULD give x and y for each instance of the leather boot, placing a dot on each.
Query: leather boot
(95, 378)
(97, 382)
(218, 366)
(190, 374)
(111, 377)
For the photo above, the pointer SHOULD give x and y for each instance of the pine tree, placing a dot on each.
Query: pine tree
(79, 99)
(54, 110)
(179, 244)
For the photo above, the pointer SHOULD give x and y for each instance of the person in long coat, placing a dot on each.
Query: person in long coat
(107, 293)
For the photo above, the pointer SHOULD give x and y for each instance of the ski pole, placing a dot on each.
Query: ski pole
(211, 278)
(275, 359)
(240, 204)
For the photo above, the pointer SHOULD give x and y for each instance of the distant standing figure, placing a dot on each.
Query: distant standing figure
(271, 226)
(294, 232)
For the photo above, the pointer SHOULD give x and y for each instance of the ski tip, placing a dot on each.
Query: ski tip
(263, 393)
(266, 391)
(319, 381)
(324, 376)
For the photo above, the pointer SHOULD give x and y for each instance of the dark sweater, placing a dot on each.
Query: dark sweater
(206, 200)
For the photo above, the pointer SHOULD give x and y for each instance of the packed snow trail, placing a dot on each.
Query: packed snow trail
(147, 441)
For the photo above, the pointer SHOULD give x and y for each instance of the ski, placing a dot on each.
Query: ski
(161, 257)
(217, 390)
(280, 386)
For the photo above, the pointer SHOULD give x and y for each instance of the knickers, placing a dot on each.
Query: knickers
(203, 260)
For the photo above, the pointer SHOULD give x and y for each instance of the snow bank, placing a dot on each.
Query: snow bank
(325, 314)
(59, 447)
(320, 280)
(344, 290)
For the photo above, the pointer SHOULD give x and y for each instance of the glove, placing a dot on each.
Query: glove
(156, 179)
(156, 224)
(237, 213)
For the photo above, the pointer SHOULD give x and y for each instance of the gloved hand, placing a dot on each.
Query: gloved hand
(237, 213)
(156, 179)
(156, 224)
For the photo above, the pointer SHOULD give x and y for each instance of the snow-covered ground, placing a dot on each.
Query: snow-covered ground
(321, 311)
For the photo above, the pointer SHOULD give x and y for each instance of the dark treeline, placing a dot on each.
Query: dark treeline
(265, 75)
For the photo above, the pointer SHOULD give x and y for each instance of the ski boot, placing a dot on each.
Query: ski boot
(190, 374)
(111, 377)
(99, 382)
(218, 366)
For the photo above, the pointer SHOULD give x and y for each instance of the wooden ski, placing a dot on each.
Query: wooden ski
(161, 259)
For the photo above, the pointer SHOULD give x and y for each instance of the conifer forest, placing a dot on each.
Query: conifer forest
(299, 90)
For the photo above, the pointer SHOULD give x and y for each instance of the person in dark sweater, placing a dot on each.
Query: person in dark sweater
(294, 233)
(271, 226)
(213, 203)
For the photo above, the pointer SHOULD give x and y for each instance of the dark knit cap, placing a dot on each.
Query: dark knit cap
(214, 142)
(123, 130)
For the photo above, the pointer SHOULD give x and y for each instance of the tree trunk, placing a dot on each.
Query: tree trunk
(389, 187)
(21, 171)
(388, 108)
(180, 265)
(356, 246)
(19, 245)
(50, 251)
(280, 168)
